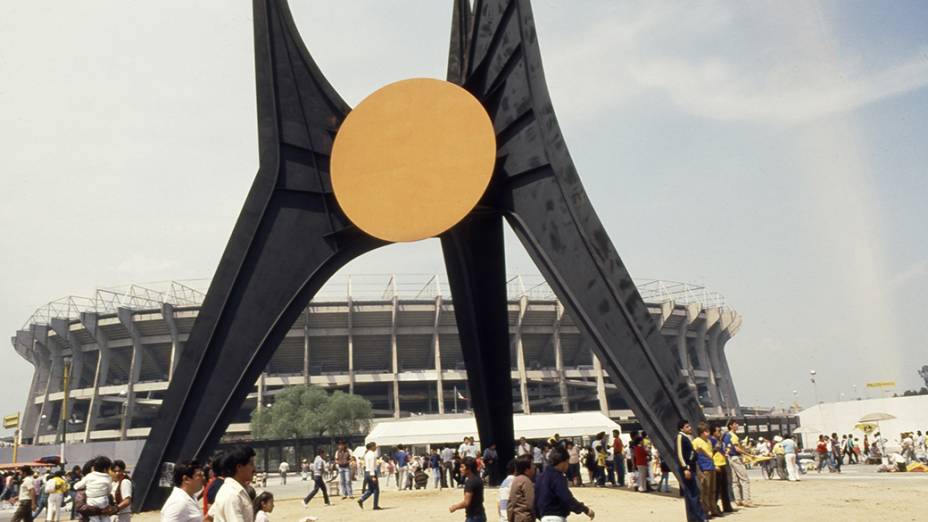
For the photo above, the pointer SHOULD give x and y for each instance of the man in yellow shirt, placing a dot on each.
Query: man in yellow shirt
(739, 473)
(721, 470)
(705, 470)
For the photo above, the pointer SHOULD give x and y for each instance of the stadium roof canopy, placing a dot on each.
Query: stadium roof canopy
(447, 429)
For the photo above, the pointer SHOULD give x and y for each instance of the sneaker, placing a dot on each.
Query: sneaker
(361, 504)
(378, 508)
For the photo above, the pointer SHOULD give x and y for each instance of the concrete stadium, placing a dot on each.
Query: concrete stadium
(391, 339)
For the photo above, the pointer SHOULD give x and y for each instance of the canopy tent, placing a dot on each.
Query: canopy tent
(448, 429)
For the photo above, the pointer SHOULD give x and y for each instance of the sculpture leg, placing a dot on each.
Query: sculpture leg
(540, 193)
(474, 259)
(289, 239)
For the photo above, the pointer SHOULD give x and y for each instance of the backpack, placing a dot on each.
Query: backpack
(50, 486)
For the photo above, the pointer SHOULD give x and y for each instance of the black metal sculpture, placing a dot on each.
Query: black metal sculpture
(292, 236)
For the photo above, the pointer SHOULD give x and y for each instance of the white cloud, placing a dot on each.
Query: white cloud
(716, 89)
(723, 62)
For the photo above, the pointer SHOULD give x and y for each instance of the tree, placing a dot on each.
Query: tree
(308, 411)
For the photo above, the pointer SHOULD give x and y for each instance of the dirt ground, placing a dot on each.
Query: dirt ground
(820, 498)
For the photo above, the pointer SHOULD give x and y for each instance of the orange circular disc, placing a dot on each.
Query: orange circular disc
(413, 159)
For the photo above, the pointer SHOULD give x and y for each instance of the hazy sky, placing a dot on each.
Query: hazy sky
(775, 152)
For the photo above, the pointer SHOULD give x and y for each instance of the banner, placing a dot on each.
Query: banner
(881, 384)
(11, 422)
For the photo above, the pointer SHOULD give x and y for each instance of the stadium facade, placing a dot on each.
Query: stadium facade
(391, 339)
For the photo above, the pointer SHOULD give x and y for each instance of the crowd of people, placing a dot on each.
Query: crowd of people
(713, 461)
(98, 491)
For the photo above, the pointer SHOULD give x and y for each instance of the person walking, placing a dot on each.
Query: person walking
(705, 470)
(836, 457)
(721, 471)
(57, 487)
(741, 483)
(26, 504)
(371, 472)
(318, 482)
(473, 493)
(553, 499)
(343, 462)
(686, 459)
(181, 505)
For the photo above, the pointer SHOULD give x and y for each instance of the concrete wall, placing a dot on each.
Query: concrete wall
(840, 417)
(78, 454)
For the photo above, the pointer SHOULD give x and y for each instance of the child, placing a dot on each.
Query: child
(97, 486)
(264, 504)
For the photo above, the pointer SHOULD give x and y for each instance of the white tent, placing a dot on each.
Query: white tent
(449, 428)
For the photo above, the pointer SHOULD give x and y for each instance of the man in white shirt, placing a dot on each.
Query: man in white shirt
(284, 468)
(371, 472)
(467, 448)
(122, 492)
(232, 501)
(318, 482)
(26, 497)
(181, 506)
(524, 447)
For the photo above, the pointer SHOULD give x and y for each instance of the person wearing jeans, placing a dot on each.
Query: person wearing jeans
(319, 484)
(618, 458)
(343, 461)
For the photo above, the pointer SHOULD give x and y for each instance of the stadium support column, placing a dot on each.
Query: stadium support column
(262, 386)
(167, 313)
(135, 369)
(306, 347)
(91, 321)
(559, 357)
(394, 356)
(730, 323)
(600, 385)
(436, 349)
(717, 373)
(55, 372)
(710, 317)
(692, 312)
(25, 345)
(520, 357)
(62, 327)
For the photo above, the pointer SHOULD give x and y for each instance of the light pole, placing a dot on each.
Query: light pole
(814, 385)
(821, 417)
